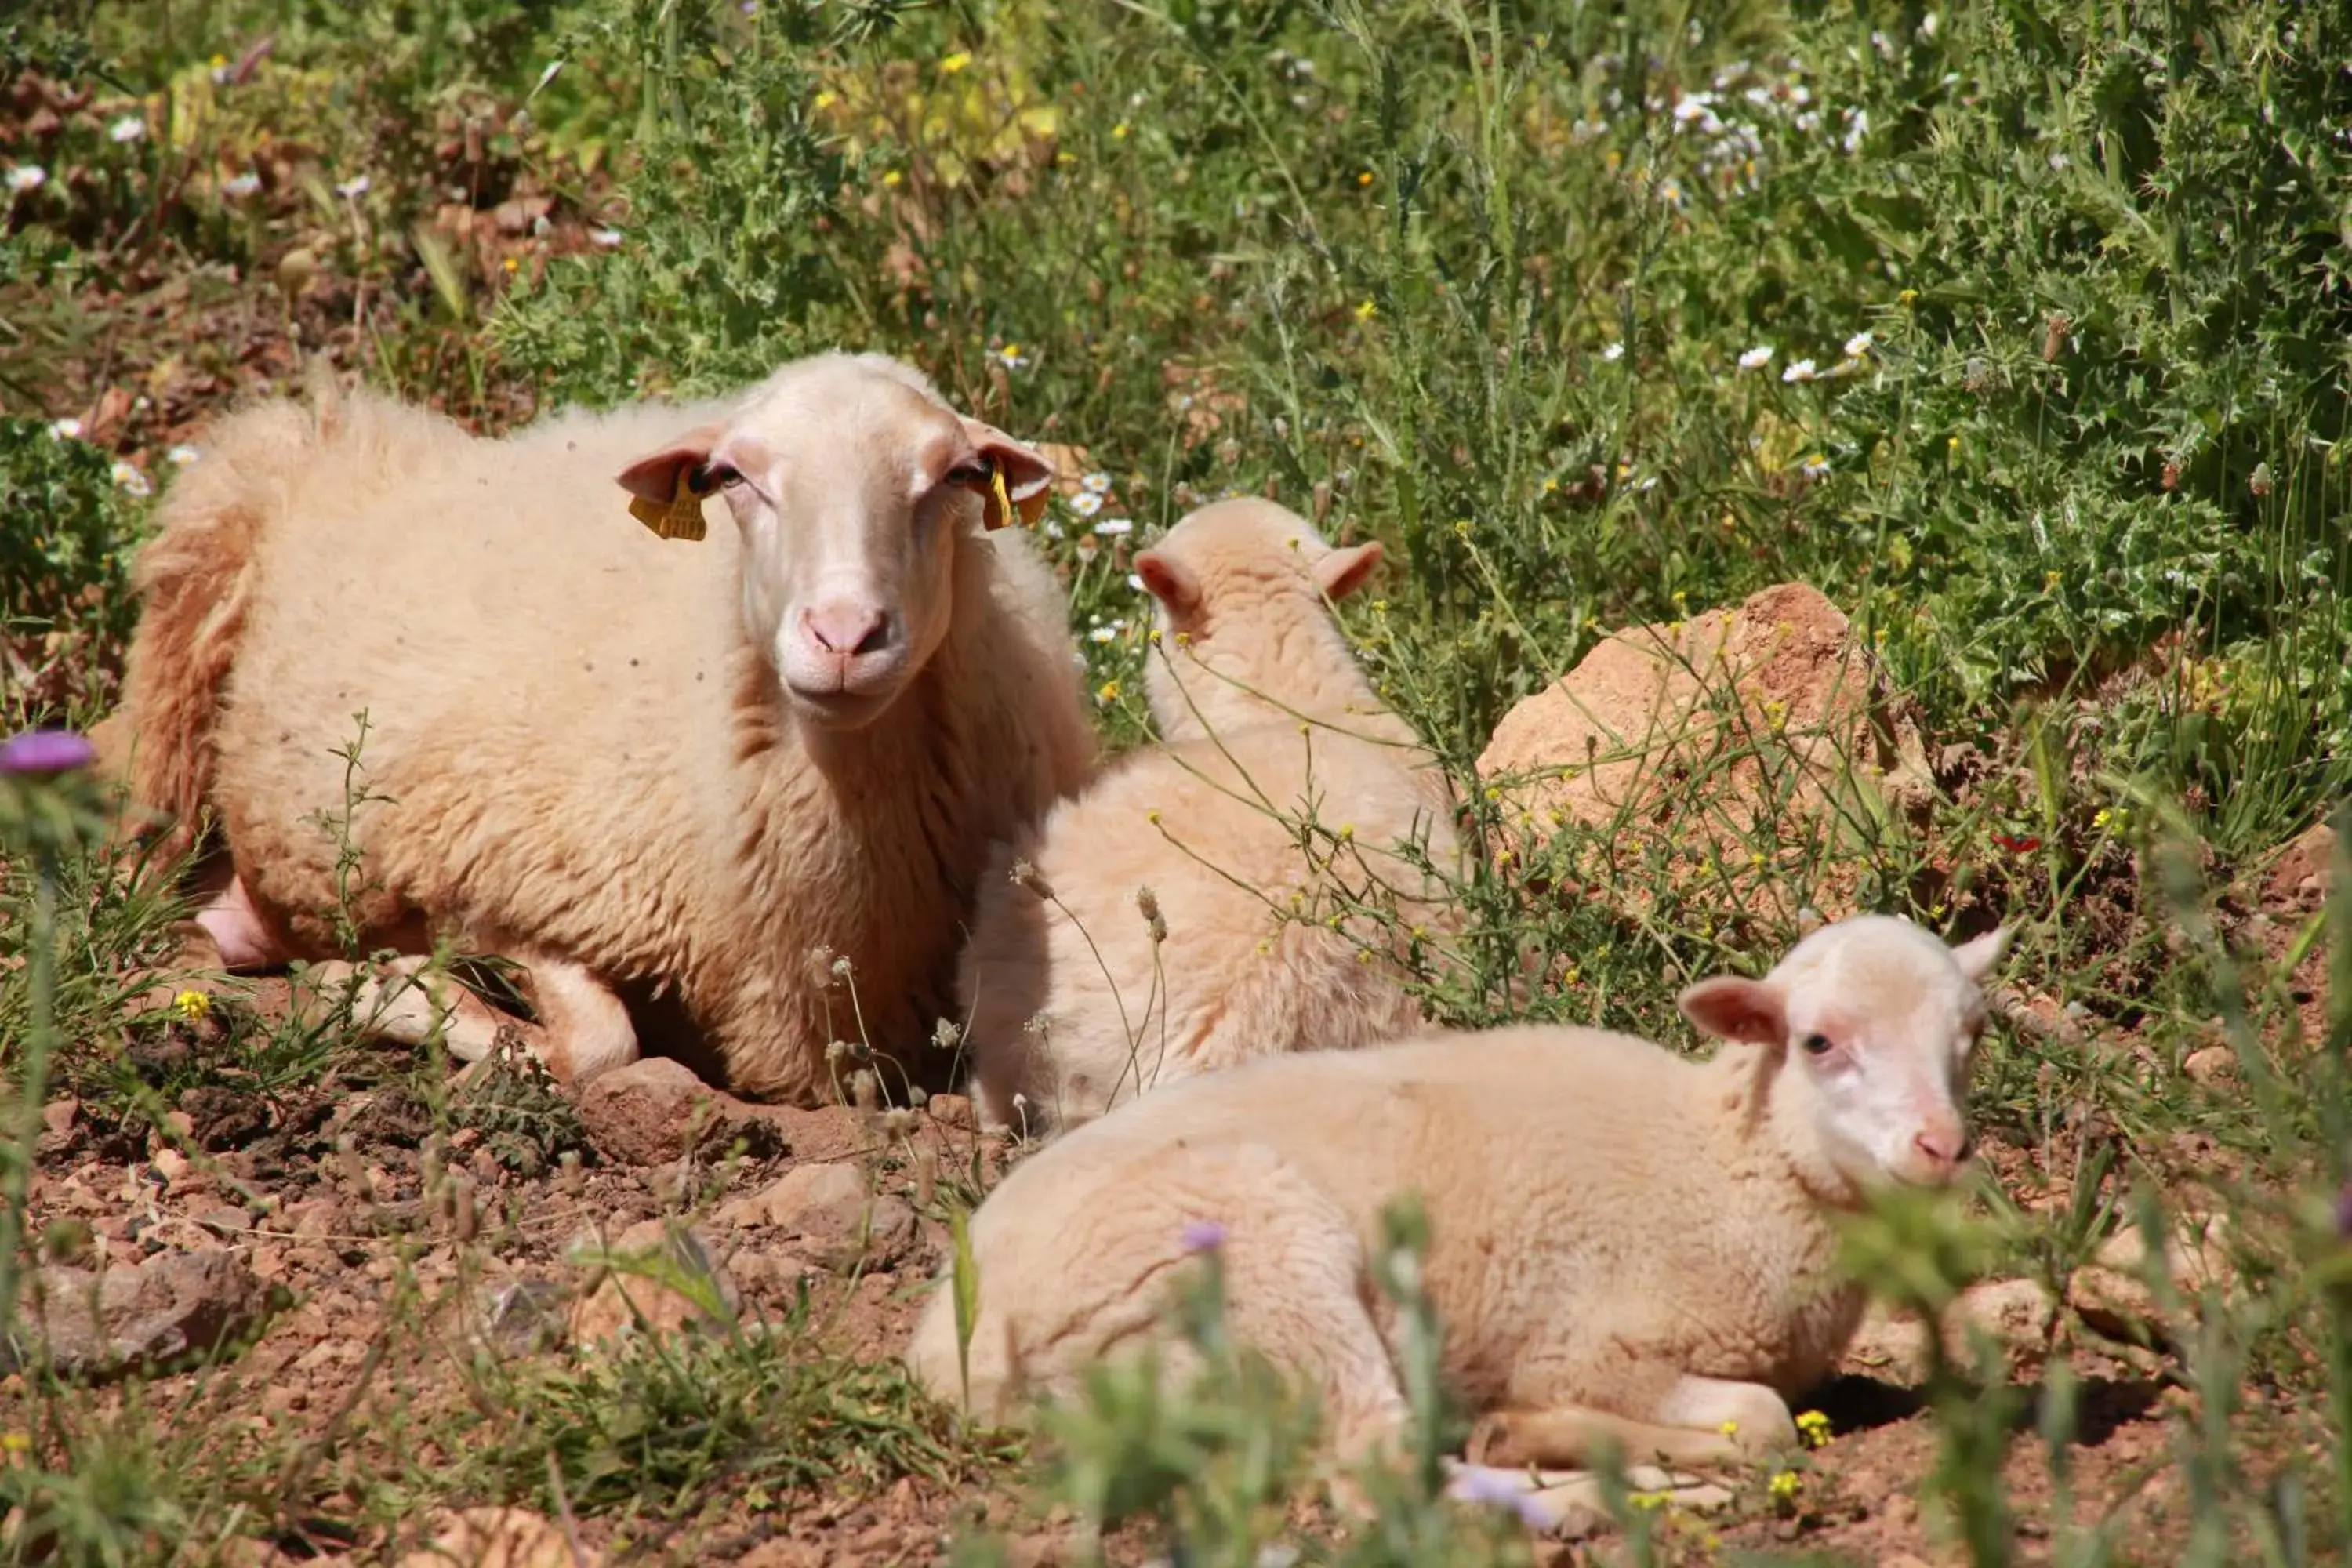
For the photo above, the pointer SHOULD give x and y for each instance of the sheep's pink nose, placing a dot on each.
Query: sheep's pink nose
(846, 628)
(1945, 1147)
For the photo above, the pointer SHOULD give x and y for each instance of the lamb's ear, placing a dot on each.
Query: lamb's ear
(1731, 1008)
(1342, 572)
(1171, 582)
(1027, 474)
(653, 476)
(1978, 955)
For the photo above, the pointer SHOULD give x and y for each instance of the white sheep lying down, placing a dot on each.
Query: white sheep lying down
(1283, 840)
(1626, 1246)
(632, 763)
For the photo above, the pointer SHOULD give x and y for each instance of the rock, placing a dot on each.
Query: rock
(1762, 722)
(833, 1219)
(499, 1537)
(2111, 1293)
(2210, 1065)
(656, 1111)
(2016, 1314)
(950, 1110)
(658, 1278)
(134, 1317)
(2299, 878)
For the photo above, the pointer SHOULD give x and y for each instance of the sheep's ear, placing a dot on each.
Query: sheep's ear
(1731, 1008)
(1978, 955)
(1027, 474)
(655, 476)
(1169, 581)
(1342, 572)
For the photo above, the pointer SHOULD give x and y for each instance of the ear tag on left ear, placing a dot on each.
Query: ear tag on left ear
(682, 517)
(1004, 512)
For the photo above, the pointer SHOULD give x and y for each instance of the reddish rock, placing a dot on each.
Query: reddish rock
(136, 1318)
(655, 1110)
(831, 1215)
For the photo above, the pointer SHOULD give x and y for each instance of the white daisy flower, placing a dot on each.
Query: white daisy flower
(236, 187)
(1858, 345)
(1051, 529)
(1135, 580)
(1086, 503)
(1798, 370)
(1114, 525)
(605, 238)
(1757, 358)
(352, 189)
(1814, 467)
(131, 480)
(1102, 635)
(1098, 483)
(1613, 352)
(66, 429)
(130, 128)
(181, 456)
(1012, 358)
(26, 177)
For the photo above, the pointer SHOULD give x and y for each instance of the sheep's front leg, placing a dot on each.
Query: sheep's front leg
(1699, 1421)
(585, 1028)
(407, 1001)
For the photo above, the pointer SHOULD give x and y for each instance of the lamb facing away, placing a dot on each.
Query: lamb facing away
(1625, 1245)
(642, 769)
(1288, 804)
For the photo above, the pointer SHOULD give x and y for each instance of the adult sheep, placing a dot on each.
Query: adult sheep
(760, 774)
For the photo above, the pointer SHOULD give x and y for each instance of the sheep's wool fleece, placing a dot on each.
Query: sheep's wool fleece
(571, 742)
(1570, 1238)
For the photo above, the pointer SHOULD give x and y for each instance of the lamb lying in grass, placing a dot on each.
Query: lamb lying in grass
(754, 776)
(1626, 1246)
(1275, 843)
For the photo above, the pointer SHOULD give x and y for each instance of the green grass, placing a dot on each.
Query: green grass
(1489, 283)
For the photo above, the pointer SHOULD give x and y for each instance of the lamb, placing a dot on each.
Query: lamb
(1626, 1247)
(1288, 804)
(748, 783)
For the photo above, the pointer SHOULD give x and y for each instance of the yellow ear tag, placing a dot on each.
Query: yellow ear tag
(1004, 512)
(682, 517)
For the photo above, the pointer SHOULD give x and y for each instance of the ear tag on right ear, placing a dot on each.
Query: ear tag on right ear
(682, 517)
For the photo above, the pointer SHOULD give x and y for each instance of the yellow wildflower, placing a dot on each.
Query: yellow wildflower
(955, 62)
(1814, 1429)
(827, 98)
(1107, 691)
(1786, 1485)
(891, 177)
(1118, 132)
(1367, 310)
(191, 1005)
(1365, 178)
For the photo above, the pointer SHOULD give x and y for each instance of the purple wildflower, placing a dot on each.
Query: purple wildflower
(38, 754)
(1203, 1235)
(1502, 1488)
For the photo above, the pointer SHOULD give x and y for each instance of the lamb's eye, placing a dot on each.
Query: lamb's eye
(975, 472)
(1818, 1045)
(717, 476)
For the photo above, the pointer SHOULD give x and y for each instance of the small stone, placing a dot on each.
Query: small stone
(499, 1537)
(950, 1110)
(2299, 877)
(2209, 1065)
(223, 1220)
(171, 1166)
(655, 1110)
(657, 1278)
(131, 1318)
(837, 1222)
(57, 1117)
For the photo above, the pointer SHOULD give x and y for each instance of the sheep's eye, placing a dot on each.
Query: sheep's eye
(975, 473)
(1818, 1045)
(717, 476)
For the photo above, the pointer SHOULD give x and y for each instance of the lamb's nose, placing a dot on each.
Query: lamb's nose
(846, 628)
(1944, 1146)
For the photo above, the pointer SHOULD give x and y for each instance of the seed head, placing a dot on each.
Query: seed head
(1146, 903)
(947, 1034)
(1025, 875)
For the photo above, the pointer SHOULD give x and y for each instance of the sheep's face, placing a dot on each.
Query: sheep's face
(851, 484)
(1878, 1021)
